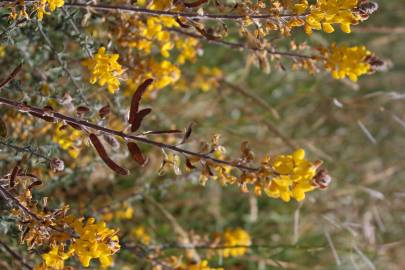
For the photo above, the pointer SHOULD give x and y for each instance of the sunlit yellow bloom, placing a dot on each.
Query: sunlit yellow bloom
(233, 238)
(55, 258)
(95, 241)
(347, 61)
(104, 68)
(52, 4)
(293, 178)
(301, 7)
(328, 12)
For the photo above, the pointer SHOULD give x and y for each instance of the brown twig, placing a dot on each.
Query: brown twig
(9, 197)
(264, 105)
(190, 15)
(58, 116)
(25, 149)
(235, 45)
(60, 61)
(184, 239)
(15, 255)
(10, 77)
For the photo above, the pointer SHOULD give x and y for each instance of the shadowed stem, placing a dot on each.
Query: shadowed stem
(25, 149)
(15, 255)
(9, 197)
(264, 105)
(55, 115)
(235, 45)
(190, 15)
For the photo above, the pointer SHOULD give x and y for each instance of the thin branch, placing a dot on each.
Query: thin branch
(60, 61)
(76, 29)
(181, 233)
(219, 247)
(15, 255)
(266, 106)
(190, 15)
(142, 252)
(10, 77)
(26, 108)
(24, 149)
(235, 45)
(9, 197)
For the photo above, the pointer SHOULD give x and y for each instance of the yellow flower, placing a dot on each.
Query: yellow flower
(55, 258)
(52, 4)
(2, 51)
(328, 12)
(127, 213)
(347, 61)
(293, 178)
(301, 7)
(203, 265)
(233, 238)
(104, 68)
(140, 233)
(95, 241)
(68, 139)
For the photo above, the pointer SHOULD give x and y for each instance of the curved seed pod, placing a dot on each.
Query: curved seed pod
(75, 126)
(103, 155)
(136, 153)
(187, 135)
(136, 98)
(104, 111)
(13, 175)
(136, 124)
(3, 129)
(195, 3)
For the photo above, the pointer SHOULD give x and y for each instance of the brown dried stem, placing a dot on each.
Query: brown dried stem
(190, 15)
(266, 106)
(235, 45)
(15, 255)
(58, 116)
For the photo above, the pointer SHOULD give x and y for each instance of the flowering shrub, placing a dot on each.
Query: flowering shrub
(133, 178)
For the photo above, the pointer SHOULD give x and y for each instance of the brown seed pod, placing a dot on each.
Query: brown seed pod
(136, 98)
(104, 156)
(136, 153)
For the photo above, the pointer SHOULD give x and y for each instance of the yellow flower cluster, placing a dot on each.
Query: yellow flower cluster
(237, 240)
(203, 265)
(294, 176)
(95, 241)
(104, 68)
(126, 213)
(54, 259)
(155, 32)
(325, 13)
(141, 234)
(68, 139)
(206, 79)
(347, 61)
(52, 4)
(164, 73)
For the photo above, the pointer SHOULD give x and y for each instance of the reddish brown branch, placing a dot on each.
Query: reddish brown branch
(58, 116)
